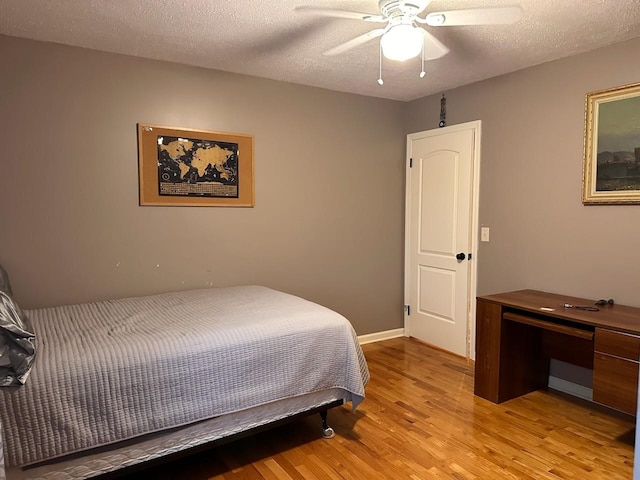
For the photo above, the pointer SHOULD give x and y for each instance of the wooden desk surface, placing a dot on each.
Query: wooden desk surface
(616, 317)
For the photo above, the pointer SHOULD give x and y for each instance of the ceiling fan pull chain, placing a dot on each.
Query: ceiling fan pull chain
(422, 72)
(380, 81)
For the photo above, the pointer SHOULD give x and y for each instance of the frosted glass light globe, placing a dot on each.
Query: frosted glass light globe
(402, 42)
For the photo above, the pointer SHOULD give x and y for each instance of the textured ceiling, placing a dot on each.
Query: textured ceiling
(267, 38)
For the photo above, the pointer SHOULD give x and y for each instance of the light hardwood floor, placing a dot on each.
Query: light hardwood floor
(420, 420)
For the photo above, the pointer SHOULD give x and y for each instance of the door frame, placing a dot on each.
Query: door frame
(476, 126)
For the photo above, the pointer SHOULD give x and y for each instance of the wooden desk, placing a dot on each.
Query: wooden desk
(515, 338)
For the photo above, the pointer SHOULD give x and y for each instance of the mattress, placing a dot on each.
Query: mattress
(111, 371)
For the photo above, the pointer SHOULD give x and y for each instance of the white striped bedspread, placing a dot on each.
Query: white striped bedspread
(115, 370)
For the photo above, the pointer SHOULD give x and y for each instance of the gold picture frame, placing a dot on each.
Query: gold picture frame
(195, 168)
(611, 169)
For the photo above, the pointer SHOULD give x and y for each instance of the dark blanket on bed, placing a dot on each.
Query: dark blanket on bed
(17, 343)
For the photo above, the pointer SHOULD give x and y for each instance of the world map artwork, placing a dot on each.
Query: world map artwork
(195, 167)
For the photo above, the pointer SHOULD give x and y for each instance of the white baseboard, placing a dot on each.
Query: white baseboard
(571, 388)
(378, 336)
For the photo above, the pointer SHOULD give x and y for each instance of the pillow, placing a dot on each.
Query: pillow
(17, 343)
(5, 285)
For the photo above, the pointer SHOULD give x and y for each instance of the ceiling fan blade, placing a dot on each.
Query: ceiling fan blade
(474, 16)
(433, 48)
(354, 42)
(336, 13)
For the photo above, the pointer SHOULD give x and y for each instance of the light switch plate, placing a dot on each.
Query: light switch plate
(484, 234)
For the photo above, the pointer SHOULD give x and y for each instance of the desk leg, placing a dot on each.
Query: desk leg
(509, 360)
(488, 330)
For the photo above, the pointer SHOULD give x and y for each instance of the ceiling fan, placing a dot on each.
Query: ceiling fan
(403, 37)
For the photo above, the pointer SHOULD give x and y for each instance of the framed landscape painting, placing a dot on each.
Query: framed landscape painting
(185, 167)
(611, 170)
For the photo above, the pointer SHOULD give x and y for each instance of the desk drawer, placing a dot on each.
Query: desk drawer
(624, 345)
(615, 382)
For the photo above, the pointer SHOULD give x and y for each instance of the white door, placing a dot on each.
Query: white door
(441, 212)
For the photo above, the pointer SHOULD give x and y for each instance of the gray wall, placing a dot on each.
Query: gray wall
(329, 171)
(328, 221)
(542, 237)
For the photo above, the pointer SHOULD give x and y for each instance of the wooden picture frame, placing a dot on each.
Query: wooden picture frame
(611, 169)
(195, 168)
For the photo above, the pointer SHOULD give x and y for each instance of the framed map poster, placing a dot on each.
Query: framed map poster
(185, 167)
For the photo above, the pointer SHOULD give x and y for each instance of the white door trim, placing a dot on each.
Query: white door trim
(476, 126)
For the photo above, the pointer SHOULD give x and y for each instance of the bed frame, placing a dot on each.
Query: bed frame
(327, 432)
(152, 450)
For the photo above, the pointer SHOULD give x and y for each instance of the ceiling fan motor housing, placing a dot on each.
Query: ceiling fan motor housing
(393, 8)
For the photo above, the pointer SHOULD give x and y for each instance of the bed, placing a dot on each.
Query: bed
(120, 382)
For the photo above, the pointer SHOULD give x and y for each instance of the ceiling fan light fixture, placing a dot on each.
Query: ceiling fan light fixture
(402, 42)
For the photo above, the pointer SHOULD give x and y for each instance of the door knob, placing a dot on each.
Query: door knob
(461, 256)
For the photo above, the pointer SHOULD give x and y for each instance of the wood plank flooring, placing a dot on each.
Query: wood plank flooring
(420, 420)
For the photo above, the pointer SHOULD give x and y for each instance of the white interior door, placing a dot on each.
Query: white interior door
(441, 212)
